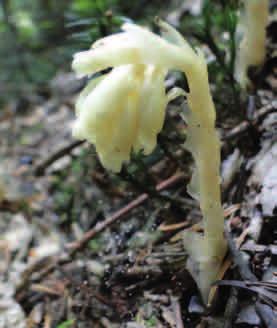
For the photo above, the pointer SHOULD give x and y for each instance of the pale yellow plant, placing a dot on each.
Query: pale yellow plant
(2, 191)
(251, 49)
(125, 110)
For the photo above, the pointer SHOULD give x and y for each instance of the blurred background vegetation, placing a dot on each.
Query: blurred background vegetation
(39, 37)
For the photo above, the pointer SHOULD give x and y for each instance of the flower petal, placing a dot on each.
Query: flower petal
(154, 49)
(85, 92)
(170, 34)
(95, 60)
(123, 137)
(99, 108)
(152, 107)
(136, 45)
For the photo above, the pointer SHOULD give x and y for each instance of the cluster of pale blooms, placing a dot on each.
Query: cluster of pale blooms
(125, 109)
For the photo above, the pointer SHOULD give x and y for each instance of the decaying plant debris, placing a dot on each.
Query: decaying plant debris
(81, 247)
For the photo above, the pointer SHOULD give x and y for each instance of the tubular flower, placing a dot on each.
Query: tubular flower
(135, 45)
(121, 111)
(125, 109)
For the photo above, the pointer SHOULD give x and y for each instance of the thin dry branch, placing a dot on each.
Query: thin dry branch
(80, 244)
(53, 262)
(45, 163)
(245, 125)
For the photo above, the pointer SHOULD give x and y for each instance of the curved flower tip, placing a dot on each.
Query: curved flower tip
(135, 45)
(94, 60)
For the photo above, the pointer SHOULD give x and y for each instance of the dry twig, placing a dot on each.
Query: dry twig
(80, 244)
(44, 164)
(245, 125)
(73, 248)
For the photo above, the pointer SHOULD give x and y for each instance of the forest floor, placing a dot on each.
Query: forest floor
(81, 247)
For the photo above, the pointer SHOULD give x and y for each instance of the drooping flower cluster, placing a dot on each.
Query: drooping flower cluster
(124, 109)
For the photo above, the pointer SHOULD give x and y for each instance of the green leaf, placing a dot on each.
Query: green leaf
(66, 324)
